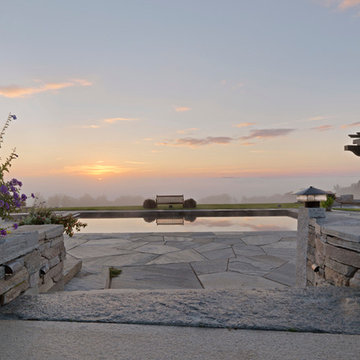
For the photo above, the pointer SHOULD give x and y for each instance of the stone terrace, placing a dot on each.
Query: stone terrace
(208, 260)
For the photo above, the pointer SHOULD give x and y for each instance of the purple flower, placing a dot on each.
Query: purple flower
(7, 206)
(14, 117)
(16, 195)
(3, 232)
(23, 197)
(4, 189)
(32, 195)
(15, 226)
(1, 203)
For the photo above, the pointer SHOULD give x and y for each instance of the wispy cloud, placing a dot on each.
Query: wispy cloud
(346, 4)
(186, 131)
(116, 119)
(341, 4)
(15, 91)
(195, 142)
(350, 125)
(322, 128)
(244, 124)
(182, 108)
(267, 133)
(317, 118)
(89, 126)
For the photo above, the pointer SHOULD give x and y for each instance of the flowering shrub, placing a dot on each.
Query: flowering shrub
(11, 198)
(40, 214)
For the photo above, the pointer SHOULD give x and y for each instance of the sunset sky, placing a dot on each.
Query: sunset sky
(122, 97)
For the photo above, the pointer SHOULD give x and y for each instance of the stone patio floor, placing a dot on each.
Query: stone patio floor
(221, 260)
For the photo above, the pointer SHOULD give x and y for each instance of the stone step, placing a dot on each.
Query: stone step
(329, 310)
(72, 267)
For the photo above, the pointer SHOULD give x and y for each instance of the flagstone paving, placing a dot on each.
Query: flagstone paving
(221, 260)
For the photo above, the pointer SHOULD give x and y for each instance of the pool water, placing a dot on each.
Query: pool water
(213, 224)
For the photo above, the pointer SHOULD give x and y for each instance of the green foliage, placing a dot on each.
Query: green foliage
(39, 215)
(190, 204)
(328, 203)
(149, 204)
(114, 272)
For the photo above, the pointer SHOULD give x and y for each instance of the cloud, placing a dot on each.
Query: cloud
(187, 131)
(116, 119)
(245, 124)
(89, 126)
(317, 118)
(247, 144)
(350, 125)
(322, 128)
(182, 109)
(346, 4)
(193, 142)
(267, 133)
(14, 91)
(341, 4)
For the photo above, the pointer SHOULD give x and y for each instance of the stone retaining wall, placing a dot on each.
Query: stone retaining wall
(333, 254)
(31, 260)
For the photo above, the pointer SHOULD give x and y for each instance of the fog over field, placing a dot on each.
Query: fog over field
(122, 191)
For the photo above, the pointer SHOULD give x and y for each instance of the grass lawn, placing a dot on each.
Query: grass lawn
(346, 209)
(199, 206)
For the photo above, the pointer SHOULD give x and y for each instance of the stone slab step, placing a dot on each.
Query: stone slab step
(72, 267)
(327, 310)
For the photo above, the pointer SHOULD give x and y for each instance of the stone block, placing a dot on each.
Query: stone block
(343, 269)
(355, 281)
(55, 273)
(320, 246)
(50, 252)
(351, 245)
(43, 246)
(16, 279)
(320, 281)
(2, 272)
(45, 232)
(335, 278)
(45, 287)
(34, 261)
(34, 280)
(16, 245)
(319, 259)
(54, 261)
(344, 256)
(56, 241)
(13, 292)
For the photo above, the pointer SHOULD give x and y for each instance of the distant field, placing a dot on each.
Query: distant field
(199, 206)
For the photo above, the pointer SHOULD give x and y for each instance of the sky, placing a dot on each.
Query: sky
(198, 97)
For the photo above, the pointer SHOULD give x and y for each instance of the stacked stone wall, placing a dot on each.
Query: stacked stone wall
(332, 260)
(31, 261)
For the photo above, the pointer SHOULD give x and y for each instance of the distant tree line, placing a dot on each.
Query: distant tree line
(62, 200)
(352, 189)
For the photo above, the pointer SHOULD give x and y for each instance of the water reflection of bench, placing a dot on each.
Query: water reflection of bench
(174, 221)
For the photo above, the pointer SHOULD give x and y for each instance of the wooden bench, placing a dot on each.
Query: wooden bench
(169, 200)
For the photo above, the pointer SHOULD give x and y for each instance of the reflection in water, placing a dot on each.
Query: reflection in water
(211, 222)
(149, 224)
